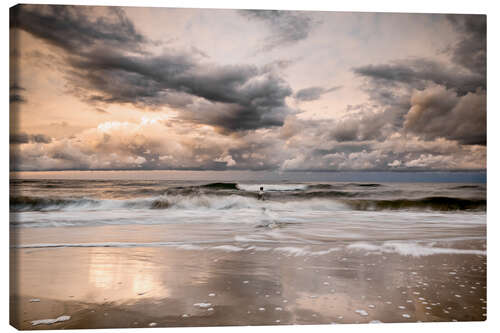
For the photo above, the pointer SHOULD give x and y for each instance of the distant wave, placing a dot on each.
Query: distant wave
(365, 185)
(431, 203)
(26, 203)
(221, 186)
(467, 187)
(320, 186)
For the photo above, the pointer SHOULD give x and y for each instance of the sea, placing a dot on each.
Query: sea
(296, 215)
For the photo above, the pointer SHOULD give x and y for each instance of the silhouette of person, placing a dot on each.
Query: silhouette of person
(261, 193)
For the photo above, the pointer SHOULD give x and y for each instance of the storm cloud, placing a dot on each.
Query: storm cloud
(418, 73)
(439, 113)
(443, 100)
(71, 27)
(20, 138)
(470, 50)
(16, 94)
(466, 73)
(230, 98)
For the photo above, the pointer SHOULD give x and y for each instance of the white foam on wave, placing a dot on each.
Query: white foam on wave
(363, 246)
(302, 251)
(258, 248)
(411, 249)
(403, 248)
(290, 250)
(320, 253)
(253, 239)
(286, 250)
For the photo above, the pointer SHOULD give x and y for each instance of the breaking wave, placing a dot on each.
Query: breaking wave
(26, 203)
(318, 200)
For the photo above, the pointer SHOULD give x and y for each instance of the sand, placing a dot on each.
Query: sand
(106, 287)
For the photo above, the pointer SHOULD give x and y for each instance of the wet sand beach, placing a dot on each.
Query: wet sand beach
(240, 284)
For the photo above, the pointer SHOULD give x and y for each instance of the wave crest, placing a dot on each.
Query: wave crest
(430, 203)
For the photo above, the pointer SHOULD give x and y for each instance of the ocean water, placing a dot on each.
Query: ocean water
(301, 218)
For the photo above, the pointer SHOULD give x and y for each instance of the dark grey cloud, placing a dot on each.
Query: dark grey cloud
(418, 73)
(16, 94)
(73, 28)
(231, 98)
(16, 98)
(470, 50)
(286, 27)
(20, 138)
(313, 93)
(466, 74)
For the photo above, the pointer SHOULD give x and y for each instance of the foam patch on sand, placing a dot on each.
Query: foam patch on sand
(411, 249)
(50, 321)
(228, 248)
(203, 305)
(361, 313)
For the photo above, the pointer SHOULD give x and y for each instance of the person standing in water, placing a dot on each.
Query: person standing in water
(260, 196)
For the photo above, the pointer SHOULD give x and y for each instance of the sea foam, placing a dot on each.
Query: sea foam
(50, 321)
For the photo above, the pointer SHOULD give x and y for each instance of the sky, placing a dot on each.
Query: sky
(113, 88)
